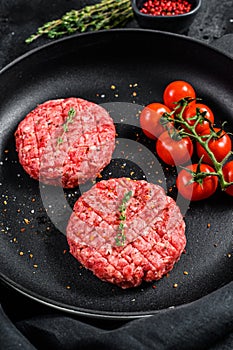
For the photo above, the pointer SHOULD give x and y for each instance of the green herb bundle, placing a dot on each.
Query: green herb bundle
(106, 14)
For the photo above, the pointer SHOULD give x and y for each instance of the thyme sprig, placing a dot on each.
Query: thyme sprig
(106, 14)
(65, 126)
(120, 237)
(185, 129)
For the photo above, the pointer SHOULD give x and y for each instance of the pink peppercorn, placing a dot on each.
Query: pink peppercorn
(166, 7)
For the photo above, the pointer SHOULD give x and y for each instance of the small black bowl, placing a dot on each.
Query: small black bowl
(174, 23)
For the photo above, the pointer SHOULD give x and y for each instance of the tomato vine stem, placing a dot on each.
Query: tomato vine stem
(183, 126)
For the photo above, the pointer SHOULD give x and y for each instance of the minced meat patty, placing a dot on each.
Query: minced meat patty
(65, 142)
(153, 231)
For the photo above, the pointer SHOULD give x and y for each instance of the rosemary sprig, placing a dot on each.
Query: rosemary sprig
(106, 14)
(120, 237)
(69, 120)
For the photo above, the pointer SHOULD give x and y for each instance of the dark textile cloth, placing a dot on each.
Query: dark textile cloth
(203, 324)
(25, 324)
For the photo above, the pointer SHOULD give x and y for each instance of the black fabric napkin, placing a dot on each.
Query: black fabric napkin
(204, 324)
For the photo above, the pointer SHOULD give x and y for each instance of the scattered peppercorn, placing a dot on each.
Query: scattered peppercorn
(166, 7)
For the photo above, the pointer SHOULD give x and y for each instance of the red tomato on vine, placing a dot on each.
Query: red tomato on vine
(177, 90)
(228, 176)
(174, 149)
(195, 109)
(220, 144)
(195, 188)
(150, 119)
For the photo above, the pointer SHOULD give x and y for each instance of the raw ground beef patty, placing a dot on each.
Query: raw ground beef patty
(143, 242)
(65, 142)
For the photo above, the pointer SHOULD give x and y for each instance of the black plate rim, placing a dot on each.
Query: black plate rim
(87, 313)
(105, 31)
(58, 305)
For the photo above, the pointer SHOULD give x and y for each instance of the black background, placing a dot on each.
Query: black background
(25, 324)
(21, 18)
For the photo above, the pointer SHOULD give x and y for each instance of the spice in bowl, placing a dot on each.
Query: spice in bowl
(169, 15)
(166, 7)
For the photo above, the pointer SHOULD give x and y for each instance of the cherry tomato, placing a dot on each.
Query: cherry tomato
(177, 90)
(173, 151)
(196, 190)
(191, 110)
(227, 170)
(150, 119)
(220, 146)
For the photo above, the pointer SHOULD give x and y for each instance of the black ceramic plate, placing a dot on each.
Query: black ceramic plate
(122, 69)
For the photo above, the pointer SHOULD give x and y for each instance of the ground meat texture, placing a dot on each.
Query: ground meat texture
(154, 231)
(65, 142)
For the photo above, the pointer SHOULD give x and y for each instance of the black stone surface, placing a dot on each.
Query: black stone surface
(20, 18)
